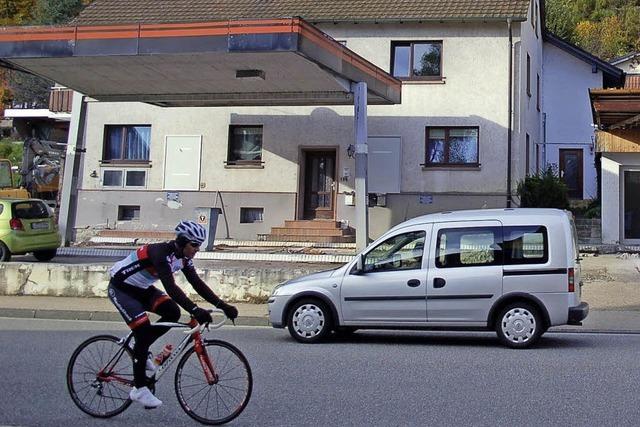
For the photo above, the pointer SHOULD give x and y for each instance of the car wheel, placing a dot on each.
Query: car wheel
(519, 325)
(309, 320)
(45, 255)
(5, 253)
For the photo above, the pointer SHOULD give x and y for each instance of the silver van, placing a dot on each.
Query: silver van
(515, 271)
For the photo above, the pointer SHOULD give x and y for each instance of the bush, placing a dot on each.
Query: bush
(543, 190)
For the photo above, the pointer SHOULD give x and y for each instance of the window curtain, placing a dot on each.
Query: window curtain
(138, 142)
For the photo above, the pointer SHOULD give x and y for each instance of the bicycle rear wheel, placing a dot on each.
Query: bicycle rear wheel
(100, 375)
(222, 401)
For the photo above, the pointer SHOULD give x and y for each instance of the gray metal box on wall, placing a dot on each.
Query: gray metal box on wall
(383, 164)
(208, 218)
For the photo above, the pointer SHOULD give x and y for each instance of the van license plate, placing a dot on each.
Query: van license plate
(40, 225)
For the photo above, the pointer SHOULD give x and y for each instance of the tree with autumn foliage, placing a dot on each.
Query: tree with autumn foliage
(605, 28)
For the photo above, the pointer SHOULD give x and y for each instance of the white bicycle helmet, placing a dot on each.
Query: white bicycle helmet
(191, 231)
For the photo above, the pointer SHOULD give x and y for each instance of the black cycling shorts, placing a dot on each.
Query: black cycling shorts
(133, 303)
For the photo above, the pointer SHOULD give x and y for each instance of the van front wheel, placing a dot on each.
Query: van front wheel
(309, 320)
(519, 325)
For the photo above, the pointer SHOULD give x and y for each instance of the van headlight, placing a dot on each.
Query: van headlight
(278, 286)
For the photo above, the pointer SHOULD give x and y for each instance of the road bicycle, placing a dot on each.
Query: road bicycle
(213, 379)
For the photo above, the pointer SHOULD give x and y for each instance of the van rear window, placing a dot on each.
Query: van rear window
(525, 245)
(29, 210)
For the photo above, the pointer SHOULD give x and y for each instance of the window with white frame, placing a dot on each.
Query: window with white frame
(124, 178)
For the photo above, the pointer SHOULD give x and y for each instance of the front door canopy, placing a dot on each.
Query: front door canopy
(226, 63)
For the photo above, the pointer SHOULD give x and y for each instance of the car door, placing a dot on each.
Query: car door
(465, 271)
(391, 289)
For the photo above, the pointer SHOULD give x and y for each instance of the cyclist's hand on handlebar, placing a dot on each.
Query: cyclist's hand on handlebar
(201, 315)
(230, 311)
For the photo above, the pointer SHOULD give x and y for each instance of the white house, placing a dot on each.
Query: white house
(567, 138)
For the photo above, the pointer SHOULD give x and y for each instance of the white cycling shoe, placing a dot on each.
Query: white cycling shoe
(144, 396)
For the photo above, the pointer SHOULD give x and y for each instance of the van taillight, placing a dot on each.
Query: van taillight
(571, 280)
(15, 224)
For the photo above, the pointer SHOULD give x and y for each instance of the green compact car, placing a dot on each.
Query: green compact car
(27, 225)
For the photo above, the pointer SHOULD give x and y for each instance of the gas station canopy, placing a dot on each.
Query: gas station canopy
(225, 63)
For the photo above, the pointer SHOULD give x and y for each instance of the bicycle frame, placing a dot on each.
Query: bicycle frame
(194, 334)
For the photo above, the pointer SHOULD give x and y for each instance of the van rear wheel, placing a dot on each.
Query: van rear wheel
(519, 325)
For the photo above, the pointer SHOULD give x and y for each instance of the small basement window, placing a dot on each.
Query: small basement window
(128, 213)
(251, 215)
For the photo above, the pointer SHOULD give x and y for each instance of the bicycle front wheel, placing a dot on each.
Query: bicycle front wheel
(100, 375)
(222, 401)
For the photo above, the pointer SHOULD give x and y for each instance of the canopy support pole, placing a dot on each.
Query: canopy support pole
(361, 134)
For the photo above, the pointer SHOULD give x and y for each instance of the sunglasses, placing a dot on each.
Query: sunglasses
(194, 244)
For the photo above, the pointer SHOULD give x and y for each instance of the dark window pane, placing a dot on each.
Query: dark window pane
(113, 149)
(135, 178)
(426, 59)
(128, 213)
(245, 143)
(112, 178)
(251, 215)
(401, 58)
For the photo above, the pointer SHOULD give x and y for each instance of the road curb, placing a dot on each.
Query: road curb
(28, 313)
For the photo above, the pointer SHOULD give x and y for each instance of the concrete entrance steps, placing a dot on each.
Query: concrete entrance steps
(327, 231)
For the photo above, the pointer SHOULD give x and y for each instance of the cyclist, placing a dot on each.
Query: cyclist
(132, 291)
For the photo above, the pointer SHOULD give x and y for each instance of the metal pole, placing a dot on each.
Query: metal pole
(362, 199)
(66, 217)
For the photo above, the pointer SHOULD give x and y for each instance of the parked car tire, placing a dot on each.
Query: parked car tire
(519, 325)
(5, 253)
(309, 320)
(46, 255)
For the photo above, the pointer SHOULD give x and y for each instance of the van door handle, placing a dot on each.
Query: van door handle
(439, 282)
(413, 283)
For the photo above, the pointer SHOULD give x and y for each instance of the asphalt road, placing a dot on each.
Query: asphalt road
(373, 379)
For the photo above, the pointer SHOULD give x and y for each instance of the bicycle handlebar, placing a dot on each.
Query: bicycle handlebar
(200, 327)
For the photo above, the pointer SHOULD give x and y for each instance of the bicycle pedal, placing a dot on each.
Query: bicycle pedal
(148, 408)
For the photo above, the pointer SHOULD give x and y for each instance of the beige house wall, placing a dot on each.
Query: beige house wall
(474, 92)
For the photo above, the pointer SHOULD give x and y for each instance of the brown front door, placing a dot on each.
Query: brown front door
(571, 171)
(319, 184)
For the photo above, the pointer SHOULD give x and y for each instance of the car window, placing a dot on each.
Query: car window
(400, 252)
(525, 245)
(31, 209)
(467, 247)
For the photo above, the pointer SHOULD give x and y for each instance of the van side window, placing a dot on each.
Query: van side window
(401, 252)
(525, 245)
(468, 247)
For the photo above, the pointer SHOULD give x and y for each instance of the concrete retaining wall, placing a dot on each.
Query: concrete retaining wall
(232, 284)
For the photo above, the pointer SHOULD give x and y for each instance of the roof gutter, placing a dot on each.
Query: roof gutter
(418, 20)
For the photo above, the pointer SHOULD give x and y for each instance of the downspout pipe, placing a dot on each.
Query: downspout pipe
(509, 126)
